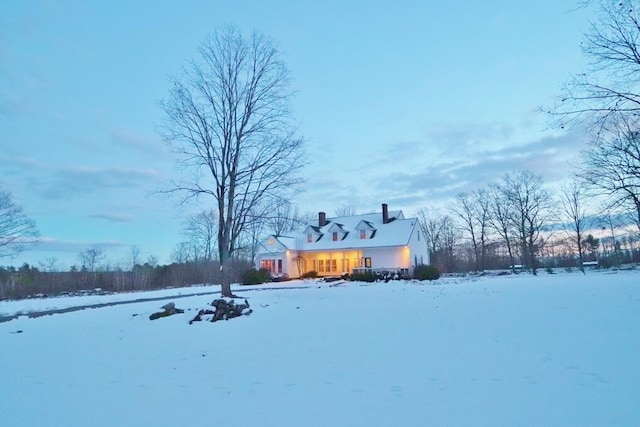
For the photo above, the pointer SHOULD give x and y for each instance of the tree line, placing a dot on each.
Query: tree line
(518, 223)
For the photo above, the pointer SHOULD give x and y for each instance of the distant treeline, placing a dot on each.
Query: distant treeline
(28, 281)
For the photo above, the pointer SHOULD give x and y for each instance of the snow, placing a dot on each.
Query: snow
(556, 349)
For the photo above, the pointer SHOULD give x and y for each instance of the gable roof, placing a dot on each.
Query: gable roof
(396, 232)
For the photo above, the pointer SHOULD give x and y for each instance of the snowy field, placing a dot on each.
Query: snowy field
(552, 350)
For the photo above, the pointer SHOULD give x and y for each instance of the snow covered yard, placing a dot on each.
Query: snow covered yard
(511, 350)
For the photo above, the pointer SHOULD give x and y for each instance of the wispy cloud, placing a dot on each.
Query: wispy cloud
(112, 217)
(131, 139)
(71, 182)
(52, 244)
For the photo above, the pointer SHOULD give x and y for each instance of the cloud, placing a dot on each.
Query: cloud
(445, 177)
(132, 139)
(70, 182)
(112, 217)
(52, 244)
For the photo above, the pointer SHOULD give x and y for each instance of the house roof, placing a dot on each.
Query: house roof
(396, 232)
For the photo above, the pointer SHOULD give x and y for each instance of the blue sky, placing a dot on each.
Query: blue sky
(403, 102)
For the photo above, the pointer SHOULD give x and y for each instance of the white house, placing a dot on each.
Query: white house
(385, 241)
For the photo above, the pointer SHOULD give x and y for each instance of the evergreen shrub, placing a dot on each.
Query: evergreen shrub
(426, 272)
(365, 276)
(255, 277)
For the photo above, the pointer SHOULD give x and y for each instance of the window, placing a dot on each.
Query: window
(279, 266)
(363, 234)
(309, 238)
(321, 266)
(418, 235)
(367, 263)
(268, 264)
(335, 236)
(334, 265)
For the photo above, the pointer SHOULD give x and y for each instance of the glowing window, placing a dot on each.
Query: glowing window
(363, 234)
(335, 236)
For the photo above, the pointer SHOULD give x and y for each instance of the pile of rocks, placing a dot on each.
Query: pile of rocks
(224, 310)
(168, 310)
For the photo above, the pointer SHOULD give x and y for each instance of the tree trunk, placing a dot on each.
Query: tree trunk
(225, 283)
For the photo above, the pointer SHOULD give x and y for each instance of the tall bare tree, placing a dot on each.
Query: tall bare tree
(17, 230)
(228, 118)
(464, 208)
(474, 211)
(532, 209)
(500, 218)
(572, 202)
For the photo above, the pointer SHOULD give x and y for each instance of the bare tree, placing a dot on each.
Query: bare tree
(228, 119)
(450, 239)
(345, 210)
(572, 202)
(17, 230)
(201, 230)
(49, 264)
(532, 208)
(442, 237)
(89, 258)
(608, 89)
(500, 218)
(282, 218)
(134, 256)
(464, 208)
(611, 167)
(473, 210)
(181, 253)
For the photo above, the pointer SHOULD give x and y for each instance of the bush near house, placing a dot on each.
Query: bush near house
(426, 272)
(365, 276)
(255, 277)
(310, 275)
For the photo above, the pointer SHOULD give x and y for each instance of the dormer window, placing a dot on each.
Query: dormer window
(366, 230)
(313, 234)
(337, 232)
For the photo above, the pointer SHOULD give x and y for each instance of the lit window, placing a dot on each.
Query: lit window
(309, 238)
(334, 265)
(363, 234)
(335, 236)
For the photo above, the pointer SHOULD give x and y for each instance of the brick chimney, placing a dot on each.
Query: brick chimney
(385, 213)
(322, 219)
